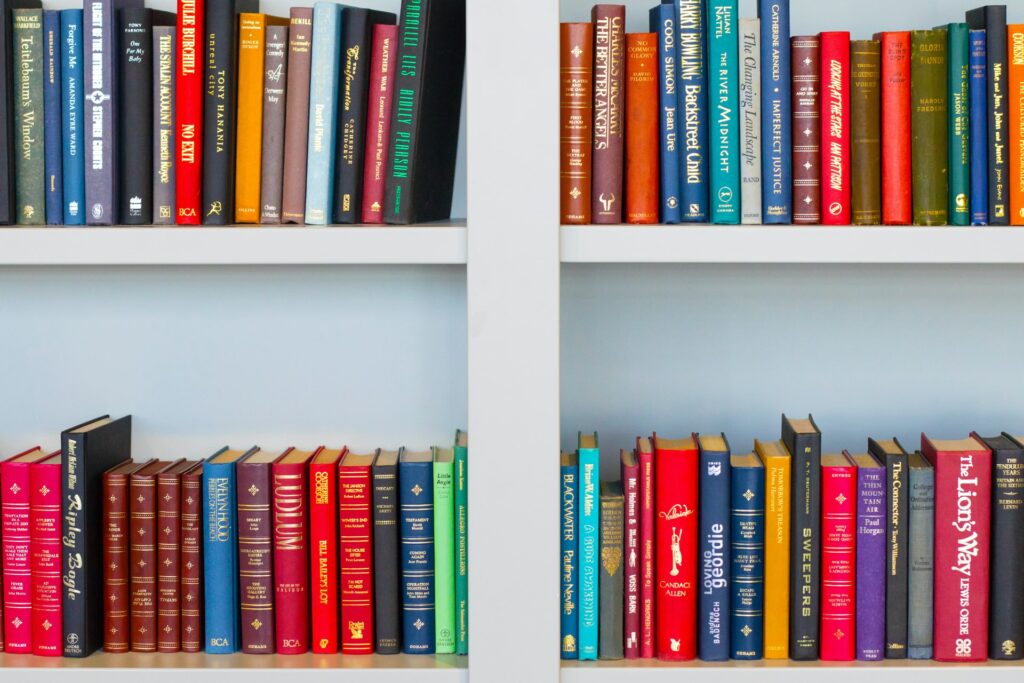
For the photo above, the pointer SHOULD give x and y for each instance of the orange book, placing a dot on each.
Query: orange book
(1015, 82)
(642, 128)
(776, 461)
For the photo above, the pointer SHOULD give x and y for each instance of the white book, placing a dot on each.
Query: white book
(750, 119)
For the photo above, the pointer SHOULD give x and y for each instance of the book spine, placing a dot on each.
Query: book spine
(979, 128)
(958, 88)
(163, 125)
(191, 562)
(870, 562)
(576, 90)
(930, 125)
(323, 558)
(168, 557)
(897, 506)
(135, 112)
(750, 115)
(52, 117)
(776, 557)
(776, 123)
(631, 562)
(838, 563)
(806, 59)
(416, 512)
(693, 112)
(116, 595)
(897, 181)
(44, 520)
(676, 544)
(29, 135)
(589, 551)
(72, 110)
(378, 125)
(611, 587)
(835, 128)
(647, 592)
(713, 636)
(461, 550)
(275, 65)
(805, 547)
(220, 559)
(323, 111)
(251, 51)
(1015, 93)
(7, 126)
(569, 608)
(610, 57)
(17, 571)
(255, 557)
(188, 111)
(142, 555)
(993, 20)
(296, 119)
(291, 558)
(1006, 622)
(444, 557)
(386, 596)
(866, 132)
(723, 72)
(747, 563)
(75, 549)
(642, 128)
(663, 22)
(355, 520)
(220, 73)
(921, 562)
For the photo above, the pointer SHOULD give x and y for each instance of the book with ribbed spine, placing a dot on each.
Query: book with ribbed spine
(72, 117)
(44, 554)
(255, 552)
(163, 125)
(576, 107)
(836, 186)
(750, 120)
(838, 557)
(609, 22)
(291, 552)
(642, 128)
(803, 441)
(444, 550)
(355, 529)
(192, 560)
(275, 65)
(29, 132)
(569, 593)
(715, 549)
(1015, 92)
(930, 126)
(189, 84)
(461, 542)
(693, 112)
(870, 557)
(897, 182)
(1006, 604)
(920, 558)
(865, 132)
(611, 587)
(806, 60)
(168, 556)
(777, 471)
(630, 475)
(296, 118)
(416, 520)
(979, 127)
(116, 565)
(897, 492)
(589, 516)
(746, 580)
(992, 19)
(663, 22)
(645, 458)
(323, 549)
(323, 111)
(378, 125)
(724, 105)
(776, 120)
(52, 117)
(387, 604)
(958, 109)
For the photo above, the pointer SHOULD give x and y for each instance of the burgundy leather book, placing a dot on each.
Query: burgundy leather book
(296, 118)
(168, 555)
(609, 112)
(631, 560)
(378, 124)
(192, 560)
(806, 60)
(291, 556)
(255, 560)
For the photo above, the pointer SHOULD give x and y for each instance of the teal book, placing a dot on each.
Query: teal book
(590, 541)
(29, 169)
(958, 63)
(461, 543)
(724, 100)
(444, 551)
(325, 66)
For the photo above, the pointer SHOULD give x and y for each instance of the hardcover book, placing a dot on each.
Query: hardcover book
(724, 101)
(72, 121)
(1006, 602)
(642, 128)
(461, 542)
(444, 550)
(713, 602)
(255, 552)
(610, 57)
(897, 505)
(325, 68)
(992, 19)
(750, 120)
(291, 555)
(576, 92)
(958, 109)
(29, 116)
(189, 84)
(835, 128)
(416, 513)
(930, 126)
(275, 66)
(192, 560)
(163, 125)
(296, 118)
(803, 441)
(870, 557)
(323, 548)
(921, 560)
(979, 127)
(866, 132)
(645, 458)
(630, 474)
(838, 557)
(44, 554)
(610, 622)
(806, 59)
(662, 22)
(897, 207)
(387, 605)
(693, 111)
(52, 142)
(355, 528)
(747, 566)
(378, 125)
(1015, 91)
(589, 459)
(777, 473)
(116, 563)
(776, 123)
(168, 556)
(568, 598)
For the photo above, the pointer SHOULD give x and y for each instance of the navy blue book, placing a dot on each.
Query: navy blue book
(979, 127)
(570, 551)
(52, 117)
(715, 532)
(692, 92)
(663, 22)
(776, 113)
(747, 616)
(416, 529)
(73, 156)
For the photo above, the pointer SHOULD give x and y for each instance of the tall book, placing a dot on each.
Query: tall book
(713, 602)
(576, 93)
(569, 547)
(325, 68)
(803, 441)
(378, 124)
(44, 554)
(897, 184)
(630, 477)
(897, 526)
(116, 563)
(192, 560)
(444, 550)
(963, 488)
(776, 122)
(168, 556)
(806, 59)
(866, 132)
(52, 143)
(662, 22)
(609, 123)
(979, 128)
(838, 557)
(387, 605)
(642, 128)
(992, 19)
(724, 101)
(296, 117)
(777, 472)
(416, 521)
(1006, 600)
(836, 186)
(676, 542)
(645, 458)
(692, 86)
(610, 622)
(323, 549)
(255, 552)
(163, 125)
(461, 542)
(1015, 91)
(958, 56)
(291, 554)
(72, 117)
(589, 459)
(747, 565)
(870, 557)
(921, 559)
(275, 65)
(750, 120)
(29, 133)
(930, 126)
(189, 84)
(355, 530)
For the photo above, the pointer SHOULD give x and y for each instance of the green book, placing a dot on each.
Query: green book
(29, 169)
(929, 125)
(461, 545)
(958, 57)
(444, 550)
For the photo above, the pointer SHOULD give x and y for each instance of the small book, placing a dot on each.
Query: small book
(746, 580)
(290, 475)
(387, 603)
(921, 558)
(610, 622)
(416, 521)
(323, 544)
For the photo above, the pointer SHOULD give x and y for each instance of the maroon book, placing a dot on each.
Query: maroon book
(378, 123)
(806, 59)
(609, 113)
(645, 461)
(291, 555)
(631, 550)
(168, 553)
(255, 559)
(192, 560)
(296, 116)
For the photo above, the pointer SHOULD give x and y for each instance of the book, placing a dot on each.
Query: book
(921, 562)
(992, 19)
(930, 126)
(838, 557)
(723, 96)
(386, 578)
(416, 519)
(713, 601)
(806, 60)
(642, 128)
(645, 458)
(803, 441)
(291, 555)
(444, 550)
(958, 110)
(72, 117)
(189, 86)
(589, 459)
(569, 547)
(676, 542)
(750, 117)
(866, 132)
(163, 125)
(1015, 92)
(978, 98)
(192, 560)
(611, 588)
(29, 132)
(44, 553)
(776, 123)
(52, 119)
(296, 118)
(630, 476)
(777, 473)
(378, 124)
(325, 66)
(836, 184)
(662, 22)
(693, 112)
(963, 487)
(323, 549)
(897, 506)
(610, 57)
(1006, 600)
(253, 482)
(168, 556)
(275, 67)
(746, 579)
(355, 528)
(461, 542)
(425, 115)
(116, 563)
(576, 92)
(870, 557)
(897, 183)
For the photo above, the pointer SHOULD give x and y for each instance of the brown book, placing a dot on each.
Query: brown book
(296, 120)
(609, 93)
(255, 551)
(275, 65)
(806, 59)
(577, 92)
(642, 142)
(168, 555)
(192, 560)
(866, 131)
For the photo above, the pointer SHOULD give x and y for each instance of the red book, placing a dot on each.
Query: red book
(192, 560)
(836, 187)
(291, 556)
(631, 552)
(116, 595)
(642, 123)
(963, 492)
(45, 548)
(897, 182)
(188, 111)
(645, 458)
(838, 557)
(168, 557)
(675, 547)
(378, 125)
(355, 527)
(323, 548)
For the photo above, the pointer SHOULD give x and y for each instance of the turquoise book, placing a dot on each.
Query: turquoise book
(724, 100)
(568, 606)
(461, 543)
(958, 107)
(72, 108)
(325, 67)
(589, 460)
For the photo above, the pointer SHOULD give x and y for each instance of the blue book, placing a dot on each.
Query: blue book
(590, 542)
(220, 552)
(570, 552)
(747, 579)
(323, 112)
(663, 22)
(715, 532)
(776, 113)
(693, 112)
(52, 117)
(979, 127)
(73, 161)
(724, 96)
(416, 529)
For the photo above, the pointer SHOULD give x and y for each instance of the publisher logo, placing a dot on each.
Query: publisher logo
(835, 208)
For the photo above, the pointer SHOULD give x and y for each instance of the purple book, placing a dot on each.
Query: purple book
(631, 567)
(870, 558)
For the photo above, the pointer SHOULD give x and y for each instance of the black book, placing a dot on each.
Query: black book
(897, 509)
(1006, 599)
(8, 204)
(387, 604)
(88, 450)
(350, 149)
(803, 439)
(992, 20)
(425, 112)
(610, 588)
(219, 105)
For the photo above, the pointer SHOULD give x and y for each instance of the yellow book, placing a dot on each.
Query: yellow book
(776, 461)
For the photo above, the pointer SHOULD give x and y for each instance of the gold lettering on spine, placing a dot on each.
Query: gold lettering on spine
(289, 512)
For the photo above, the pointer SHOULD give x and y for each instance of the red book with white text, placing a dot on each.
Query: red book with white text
(963, 492)
(675, 547)
(323, 549)
(378, 121)
(645, 457)
(188, 112)
(355, 528)
(836, 187)
(45, 548)
(838, 557)
(291, 556)
(897, 203)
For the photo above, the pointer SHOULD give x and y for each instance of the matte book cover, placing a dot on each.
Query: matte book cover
(1006, 603)
(378, 124)
(461, 542)
(958, 109)
(589, 544)
(645, 457)
(897, 206)
(296, 118)
(355, 528)
(168, 556)
(325, 69)
(992, 19)
(164, 148)
(979, 127)
(576, 93)
(189, 84)
(777, 472)
(836, 186)
(1015, 91)
(776, 123)
(865, 132)
(692, 87)
(713, 610)
(323, 549)
(723, 63)
(747, 563)
(897, 525)
(610, 622)
(569, 530)
(72, 117)
(291, 553)
(921, 559)
(930, 125)
(444, 550)
(28, 111)
(663, 22)
(642, 128)
(750, 120)
(609, 23)
(630, 476)
(192, 560)
(838, 557)
(870, 563)
(387, 602)
(803, 441)
(44, 554)
(52, 142)
(416, 522)
(255, 552)
(275, 66)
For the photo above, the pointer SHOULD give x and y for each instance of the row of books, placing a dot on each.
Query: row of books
(711, 118)
(253, 551)
(220, 114)
(693, 551)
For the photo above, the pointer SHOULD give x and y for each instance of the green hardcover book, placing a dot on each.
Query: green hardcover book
(29, 169)
(958, 57)
(461, 544)
(929, 124)
(610, 624)
(444, 550)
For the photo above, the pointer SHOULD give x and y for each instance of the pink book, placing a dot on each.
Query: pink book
(645, 459)
(631, 559)
(838, 557)
(45, 555)
(378, 122)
